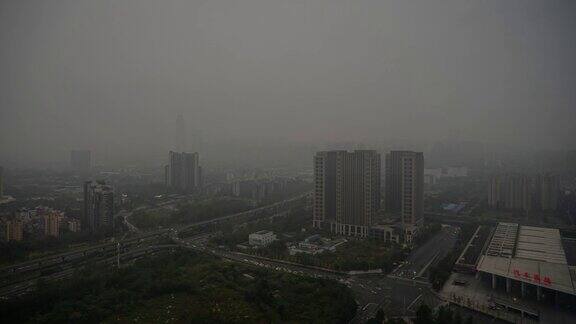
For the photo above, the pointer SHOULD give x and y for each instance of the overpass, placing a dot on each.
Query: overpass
(38, 263)
(105, 248)
(275, 208)
(67, 270)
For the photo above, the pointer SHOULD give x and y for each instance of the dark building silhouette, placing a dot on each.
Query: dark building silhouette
(524, 192)
(98, 206)
(405, 189)
(347, 191)
(547, 191)
(1, 182)
(183, 173)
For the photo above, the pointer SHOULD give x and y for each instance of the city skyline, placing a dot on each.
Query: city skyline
(504, 75)
(275, 161)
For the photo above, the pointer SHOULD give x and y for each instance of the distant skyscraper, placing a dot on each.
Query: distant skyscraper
(524, 192)
(405, 189)
(510, 191)
(74, 225)
(98, 206)
(81, 160)
(180, 134)
(495, 195)
(347, 191)
(183, 172)
(571, 162)
(14, 230)
(547, 191)
(1, 182)
(52, 224)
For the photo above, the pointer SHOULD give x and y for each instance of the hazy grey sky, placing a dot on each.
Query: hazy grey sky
(112, 74)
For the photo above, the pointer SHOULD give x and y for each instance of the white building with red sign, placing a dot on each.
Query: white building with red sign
(529, 260)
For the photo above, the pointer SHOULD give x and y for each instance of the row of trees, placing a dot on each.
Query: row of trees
(293, 223)
(353, 255)
(188, 213)
(182, 286)
(363, 255)
(12, 251)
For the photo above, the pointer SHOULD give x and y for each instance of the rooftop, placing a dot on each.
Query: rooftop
(263, 232)
(540, 244)
(531, 254)
(503, 240)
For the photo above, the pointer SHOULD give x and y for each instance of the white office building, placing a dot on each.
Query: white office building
(261, 238)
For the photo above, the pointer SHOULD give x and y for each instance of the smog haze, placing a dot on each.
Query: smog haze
(112, 76)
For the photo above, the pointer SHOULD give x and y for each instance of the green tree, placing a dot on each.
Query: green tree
(457, 319)
(378, 318)
(444, 316)
(380, 315)
(395, 321)
(424, 315)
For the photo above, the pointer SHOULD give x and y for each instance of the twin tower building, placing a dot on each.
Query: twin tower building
(347, 196)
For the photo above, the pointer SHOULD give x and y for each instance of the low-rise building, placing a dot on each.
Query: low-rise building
(315, 244)
(261, 238)
(389, 233)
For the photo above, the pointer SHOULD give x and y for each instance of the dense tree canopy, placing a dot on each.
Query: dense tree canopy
(182, 286)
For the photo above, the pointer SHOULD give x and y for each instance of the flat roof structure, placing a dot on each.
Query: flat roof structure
(534, 255)
(503, 240)
(263, 232)
(542, 244)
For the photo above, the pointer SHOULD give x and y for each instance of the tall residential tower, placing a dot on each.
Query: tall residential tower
(183, 173)
(347, 191)
(405, 189)
(1, 183)
(524, 192)
(98, 206)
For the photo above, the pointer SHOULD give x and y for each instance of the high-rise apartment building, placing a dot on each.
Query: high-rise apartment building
(405, 189)
(98, 206)
(347, 191)
(81, 160)
(52, 224)
(511, 192)
(184, 172)
(547, 192)
(74, 226)
(14, 230)
(495, 195)
(524, 192)
(1, 182)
